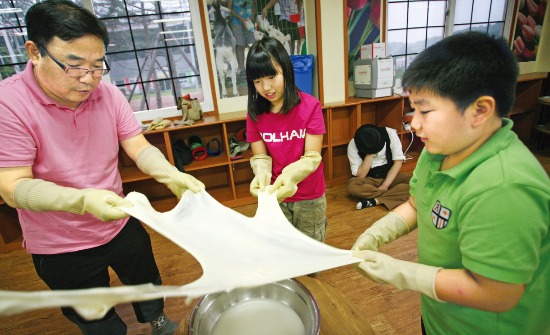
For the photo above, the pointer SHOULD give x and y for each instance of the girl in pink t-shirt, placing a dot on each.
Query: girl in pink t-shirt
(285, 128)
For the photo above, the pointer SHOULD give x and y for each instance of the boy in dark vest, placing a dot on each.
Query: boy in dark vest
(376, 156)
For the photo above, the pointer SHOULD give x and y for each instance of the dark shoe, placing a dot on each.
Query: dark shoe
(365, 202)
(163, 326)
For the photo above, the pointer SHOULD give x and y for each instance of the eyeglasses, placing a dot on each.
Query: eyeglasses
(77, 72)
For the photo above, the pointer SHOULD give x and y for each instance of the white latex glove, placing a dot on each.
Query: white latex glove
(404, 275)
(40, 196)
(388, 228)
(261, 166)
(152, 162)
(286, 183)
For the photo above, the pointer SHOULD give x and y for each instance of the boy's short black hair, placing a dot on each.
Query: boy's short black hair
(259, 64)
(464, 67)
(63, 19)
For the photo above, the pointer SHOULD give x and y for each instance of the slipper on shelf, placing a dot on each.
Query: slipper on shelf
(235, 151)
(244, 145)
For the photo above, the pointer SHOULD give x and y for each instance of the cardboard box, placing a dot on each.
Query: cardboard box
(373, 50)
(373, 73)
(379, 93)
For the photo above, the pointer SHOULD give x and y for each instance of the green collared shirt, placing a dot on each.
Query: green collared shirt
(488, 214)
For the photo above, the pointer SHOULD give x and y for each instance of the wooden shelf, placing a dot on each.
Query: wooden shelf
(208, 162)
(132, 173)
(228, 180)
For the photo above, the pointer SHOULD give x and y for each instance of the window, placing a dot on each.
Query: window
(414, 25)
(156, 51)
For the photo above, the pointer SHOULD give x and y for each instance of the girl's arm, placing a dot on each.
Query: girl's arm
(261, 165)
(286, 183)
(258, 147)
(313, 143)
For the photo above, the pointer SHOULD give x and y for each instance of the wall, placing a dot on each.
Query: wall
(334, 55)
(543, 54)
(234, 104)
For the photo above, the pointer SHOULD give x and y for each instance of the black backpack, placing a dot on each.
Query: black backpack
(182, 154)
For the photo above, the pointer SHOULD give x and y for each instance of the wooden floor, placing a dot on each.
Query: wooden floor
(388, 310)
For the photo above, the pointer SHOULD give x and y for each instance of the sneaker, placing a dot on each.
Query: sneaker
(163, 326)
(365, 203)
(235, 151)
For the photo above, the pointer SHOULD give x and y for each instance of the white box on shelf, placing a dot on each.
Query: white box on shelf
(377, 93)
(373, 50)
(373, 73)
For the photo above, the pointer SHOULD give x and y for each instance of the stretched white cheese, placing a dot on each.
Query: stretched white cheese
(233, 250)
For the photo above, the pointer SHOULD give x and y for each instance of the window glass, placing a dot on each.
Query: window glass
(398, 45)
(461, 28)
(463, 12)
(498, 11)
(162, 50)
(153, 54)
(428, 20)
(397, 15)
(418, 14)
(416, 40)
(434, 35)
(436, 13)
(480, 12)
(496, 29)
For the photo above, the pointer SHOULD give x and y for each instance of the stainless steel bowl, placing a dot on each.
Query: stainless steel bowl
(290, 292)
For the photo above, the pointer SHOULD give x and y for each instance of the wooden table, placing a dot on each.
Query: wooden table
(338, 314)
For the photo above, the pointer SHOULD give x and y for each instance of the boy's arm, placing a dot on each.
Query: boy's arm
(392, 173)
(393, 225)
(463, 287)
(364, 168)
(457, 286)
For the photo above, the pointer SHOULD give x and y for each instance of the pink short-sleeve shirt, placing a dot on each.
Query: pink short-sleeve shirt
(72, 148)
(284, 136)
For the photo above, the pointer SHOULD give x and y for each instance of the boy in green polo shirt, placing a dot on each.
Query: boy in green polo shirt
(479, 199)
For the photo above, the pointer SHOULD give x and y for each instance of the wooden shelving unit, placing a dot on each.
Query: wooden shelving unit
(524, 113)
(228, 180)
(344, 119)
(224, 178)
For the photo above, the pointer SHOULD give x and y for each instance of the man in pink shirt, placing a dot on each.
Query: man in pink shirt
(61, 127)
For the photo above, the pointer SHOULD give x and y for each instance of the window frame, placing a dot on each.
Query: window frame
(448, 29)
(200, 49)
